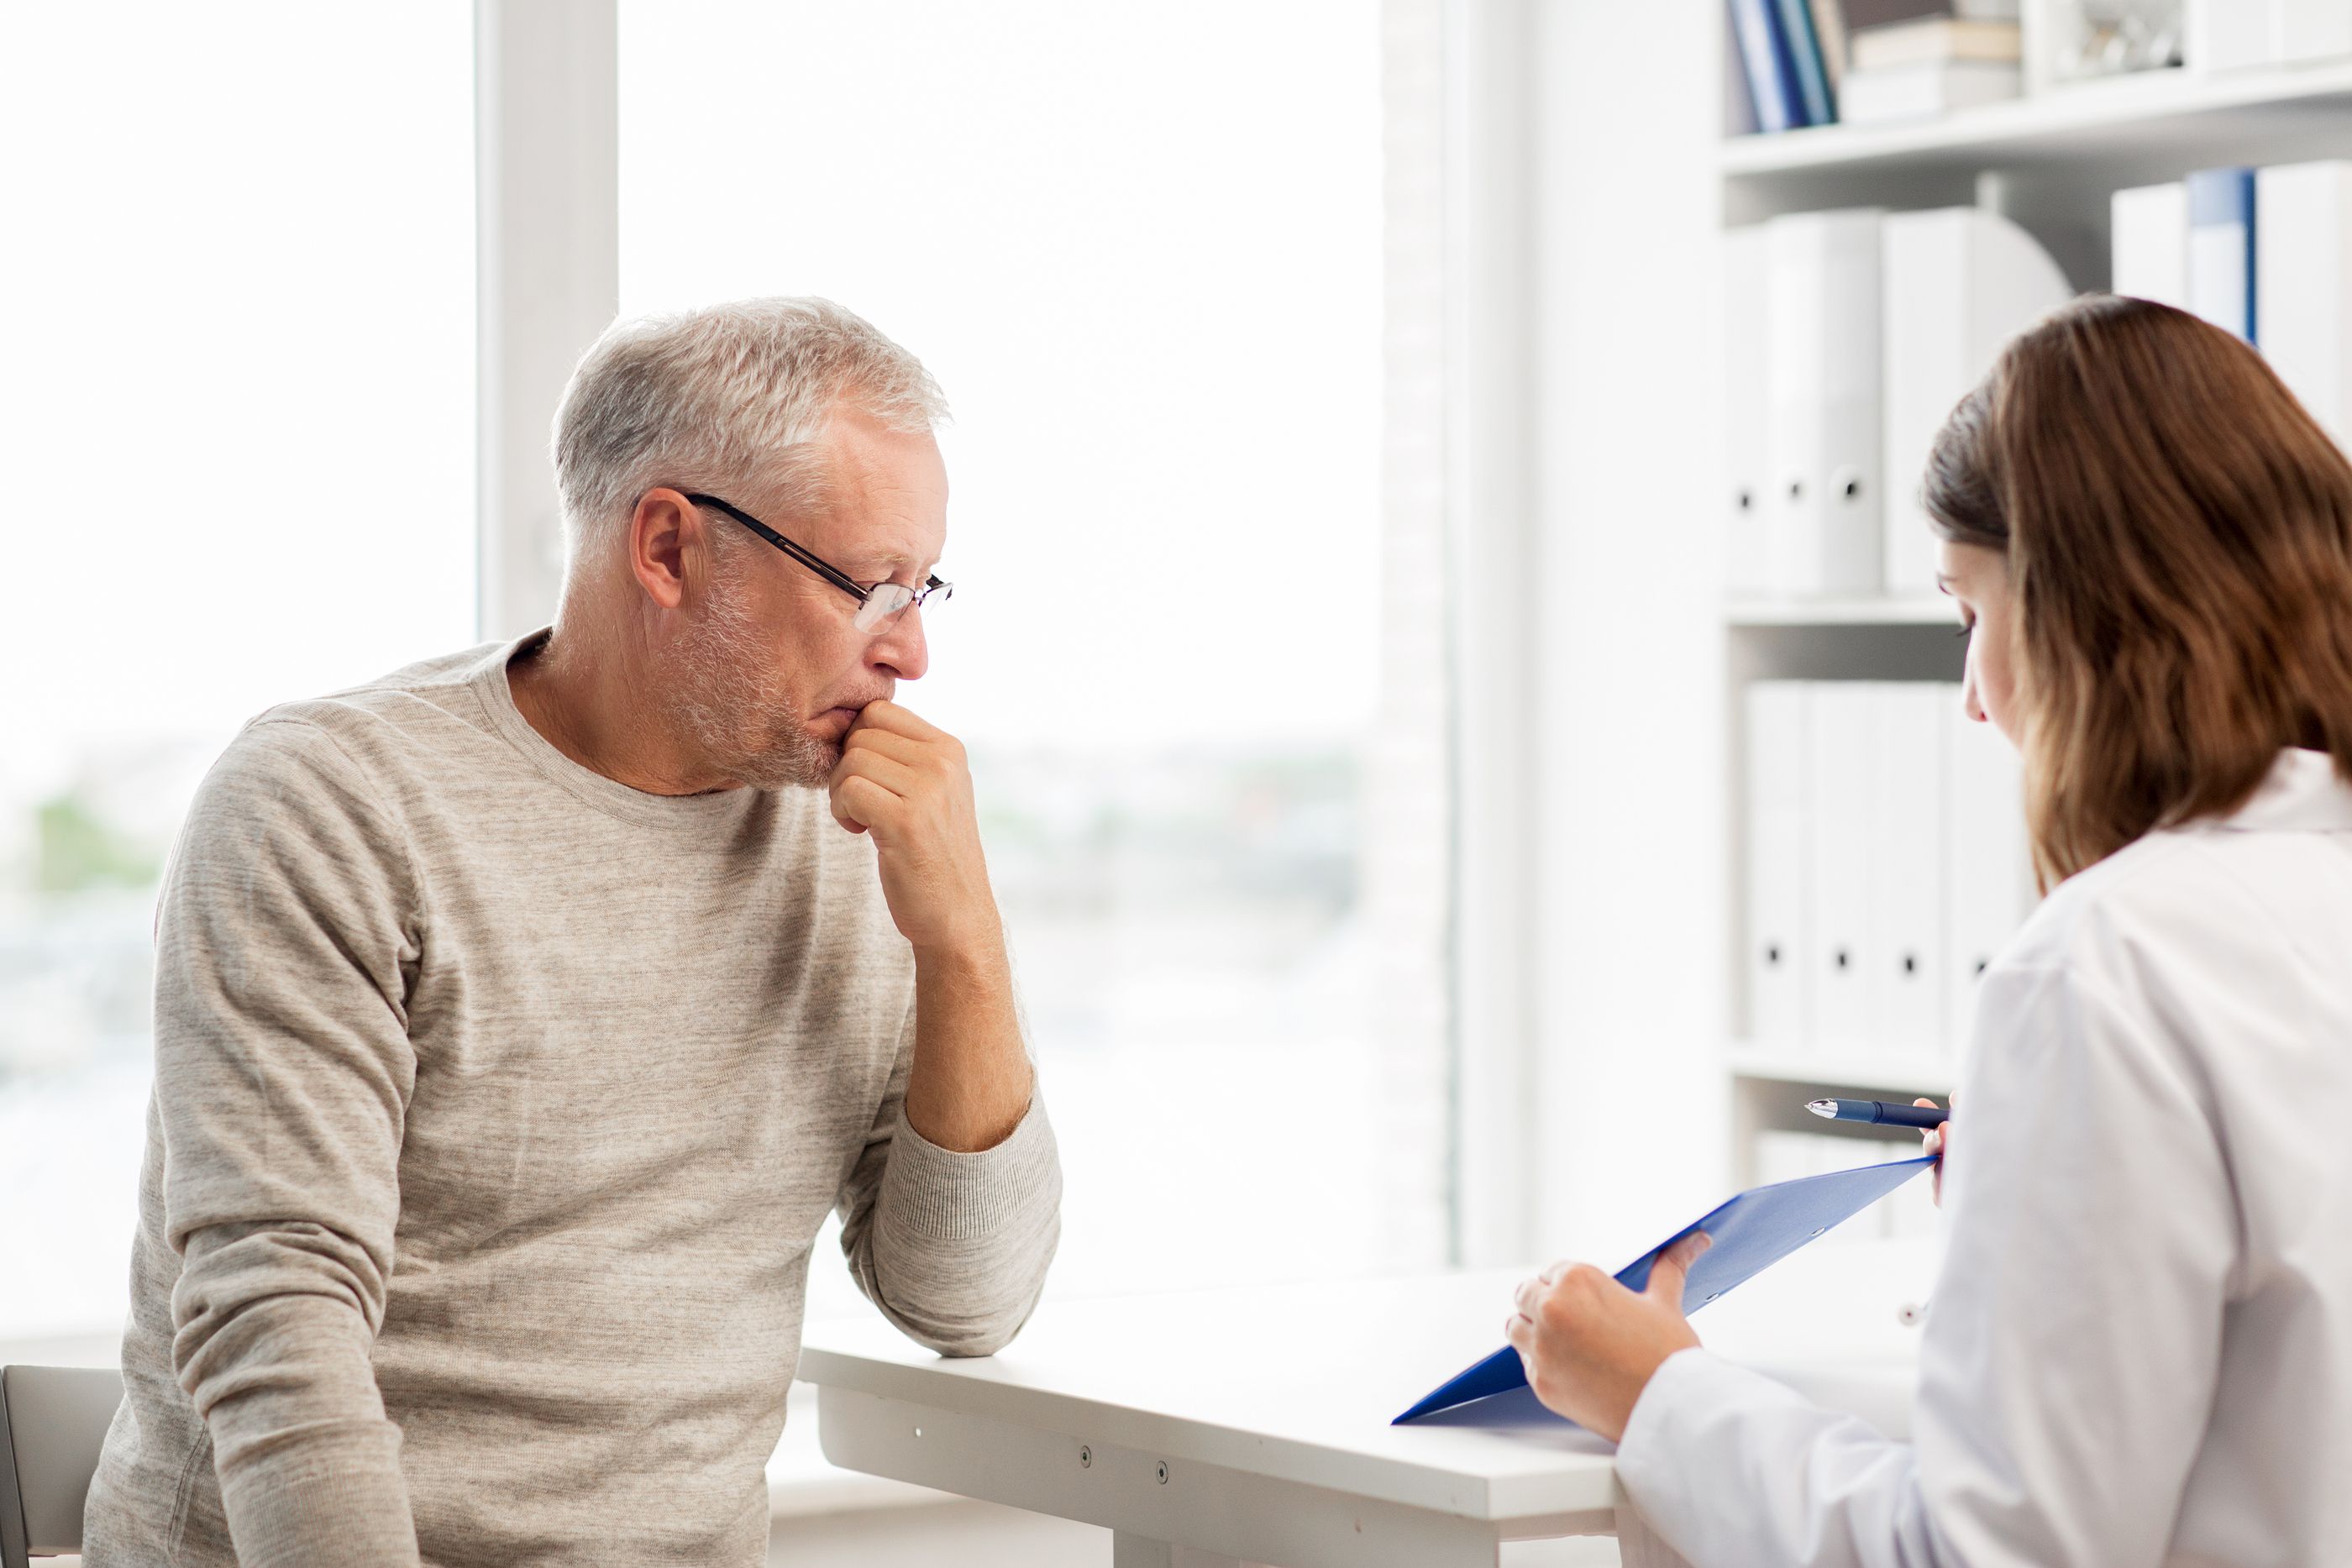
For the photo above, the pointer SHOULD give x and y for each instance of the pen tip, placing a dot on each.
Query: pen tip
(1822, 1107)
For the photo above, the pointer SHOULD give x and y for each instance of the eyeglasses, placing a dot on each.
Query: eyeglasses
(876, 606)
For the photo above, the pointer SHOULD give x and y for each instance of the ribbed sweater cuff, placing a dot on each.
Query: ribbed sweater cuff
(336, 1496)
(937, 1193)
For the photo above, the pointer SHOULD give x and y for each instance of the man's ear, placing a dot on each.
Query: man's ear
(668, 543)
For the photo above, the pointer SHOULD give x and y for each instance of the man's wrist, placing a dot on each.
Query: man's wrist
(970, 1083)
(975, 951)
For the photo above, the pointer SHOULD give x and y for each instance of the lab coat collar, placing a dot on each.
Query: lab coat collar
(2301, 795)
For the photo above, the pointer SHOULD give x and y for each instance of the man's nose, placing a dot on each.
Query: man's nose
(899, 650)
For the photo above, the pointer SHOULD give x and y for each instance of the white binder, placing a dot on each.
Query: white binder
(1960, 282)
(1778, 963)
(2230, 35)
(2237, 35)
(1904, 833)
(2150, 242)
(1988, 868)
(1846, 949)
(1748, 551)
(2303, 262)
(2313, 30)
(1823, 424)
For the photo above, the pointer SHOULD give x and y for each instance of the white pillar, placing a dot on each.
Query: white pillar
(1628, 646)
(1461, 588)
(547, 195)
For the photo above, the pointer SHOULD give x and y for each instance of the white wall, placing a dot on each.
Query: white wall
(1633, 1138)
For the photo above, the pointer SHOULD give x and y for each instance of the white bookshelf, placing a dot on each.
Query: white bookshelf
(2175, 116)
(2050, 163)
(1771, 1089)
(1930, 610)
(1818, 640)
(1905, 1076)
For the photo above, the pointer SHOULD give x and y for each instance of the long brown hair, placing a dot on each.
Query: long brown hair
(2178, 536)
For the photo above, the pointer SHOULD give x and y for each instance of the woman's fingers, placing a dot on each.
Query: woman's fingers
(1933, 1141)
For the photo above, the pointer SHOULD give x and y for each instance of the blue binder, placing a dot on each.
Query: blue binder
(1811, 65)
(2221, 240)
(1749, 1233)
(1771, 70)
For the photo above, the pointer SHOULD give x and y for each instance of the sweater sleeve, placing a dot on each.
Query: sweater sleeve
(952, 1247)
(283, 1073)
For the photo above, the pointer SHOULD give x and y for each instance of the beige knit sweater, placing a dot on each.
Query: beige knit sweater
(497, 1106)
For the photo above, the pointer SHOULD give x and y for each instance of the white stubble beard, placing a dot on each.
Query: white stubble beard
(736, 710)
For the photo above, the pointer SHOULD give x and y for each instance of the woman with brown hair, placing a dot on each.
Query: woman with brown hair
(2141, 1348)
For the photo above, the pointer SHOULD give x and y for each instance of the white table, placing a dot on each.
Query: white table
(1206, 1429)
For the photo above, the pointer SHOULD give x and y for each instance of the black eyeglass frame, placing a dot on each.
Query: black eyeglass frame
(815, 564)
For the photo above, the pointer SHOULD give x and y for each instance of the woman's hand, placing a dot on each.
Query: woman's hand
(1937, 1141)
(1590, 1345)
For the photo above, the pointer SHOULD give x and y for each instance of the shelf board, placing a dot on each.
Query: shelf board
(2152, 116)
(1908, 1076)
(1930, 610)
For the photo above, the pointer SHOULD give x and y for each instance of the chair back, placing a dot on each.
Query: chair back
(53, 1421)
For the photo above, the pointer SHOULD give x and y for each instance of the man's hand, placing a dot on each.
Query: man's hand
(906, 782)
(1590, 1346)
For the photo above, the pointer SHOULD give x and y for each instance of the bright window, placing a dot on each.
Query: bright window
(239, 417)
(1141, 247)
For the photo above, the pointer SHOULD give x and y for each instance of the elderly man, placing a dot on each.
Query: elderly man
(522, 1015)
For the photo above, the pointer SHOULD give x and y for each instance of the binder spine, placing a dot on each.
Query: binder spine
(1823, 357)
(1805, 54)
(1771, 74)
(2222, 250)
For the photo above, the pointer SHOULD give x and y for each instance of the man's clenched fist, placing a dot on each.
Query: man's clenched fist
(906, 782)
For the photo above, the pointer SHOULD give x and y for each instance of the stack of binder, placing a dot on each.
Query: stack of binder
(1849, 336)
(1886, 866)
(1931, 64)
(1797, 59)
(2265, 253)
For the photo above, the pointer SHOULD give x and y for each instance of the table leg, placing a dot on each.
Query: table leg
(1129, 1550)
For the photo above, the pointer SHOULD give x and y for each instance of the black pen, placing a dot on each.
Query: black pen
(1879, 1111)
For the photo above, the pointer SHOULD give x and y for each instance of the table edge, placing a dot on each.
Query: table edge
(1590, 1488)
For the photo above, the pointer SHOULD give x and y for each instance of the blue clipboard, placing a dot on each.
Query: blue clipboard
(1749, 1233)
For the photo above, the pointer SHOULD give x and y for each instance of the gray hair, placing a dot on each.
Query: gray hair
(727, 395)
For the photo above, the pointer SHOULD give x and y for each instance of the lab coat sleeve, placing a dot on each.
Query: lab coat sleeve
(2069, 1358)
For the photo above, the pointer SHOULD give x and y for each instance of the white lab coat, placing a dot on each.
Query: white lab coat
(2140, 1350)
